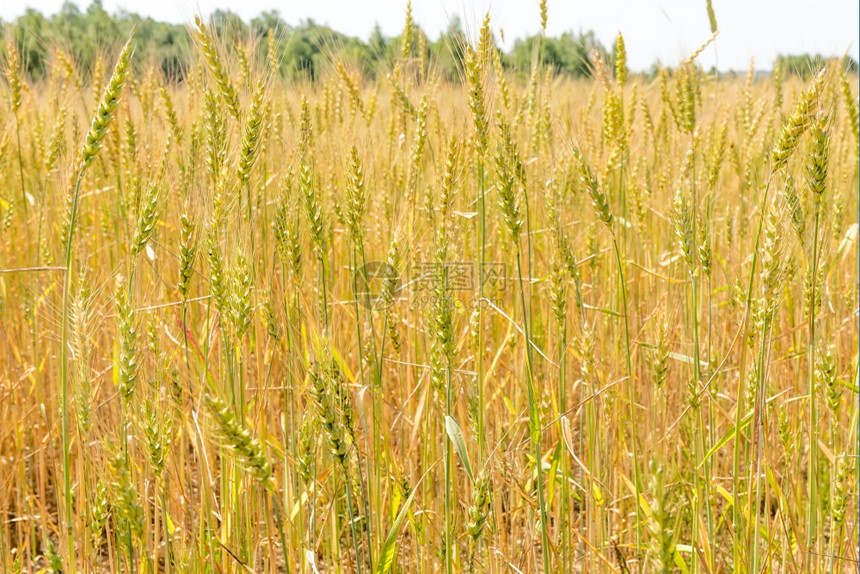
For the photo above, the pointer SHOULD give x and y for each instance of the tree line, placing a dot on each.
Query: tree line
(303, 50)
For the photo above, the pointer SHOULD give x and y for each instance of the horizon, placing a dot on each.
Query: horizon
(663, 41)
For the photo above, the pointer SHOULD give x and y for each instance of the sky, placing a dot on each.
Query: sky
(664, 30)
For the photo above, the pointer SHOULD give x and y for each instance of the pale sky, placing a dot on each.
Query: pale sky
(667, 30)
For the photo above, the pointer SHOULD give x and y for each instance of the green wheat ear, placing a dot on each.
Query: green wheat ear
(620, 60)
(253, 130)
(321, 393)
(797, 123)
(187, 252)
(126, 502)
(237, 438)
(240, 296)
(13, 74)
(475, 79)
(683, 221)
(105, 112)
(508, 201)
(592, 187)
(357, 196)
(406, 42)
(213, 61)
(146, 220)
(816, 167)
(128, 361)
(712, 18)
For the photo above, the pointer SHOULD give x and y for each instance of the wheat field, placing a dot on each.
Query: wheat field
(405, 324)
